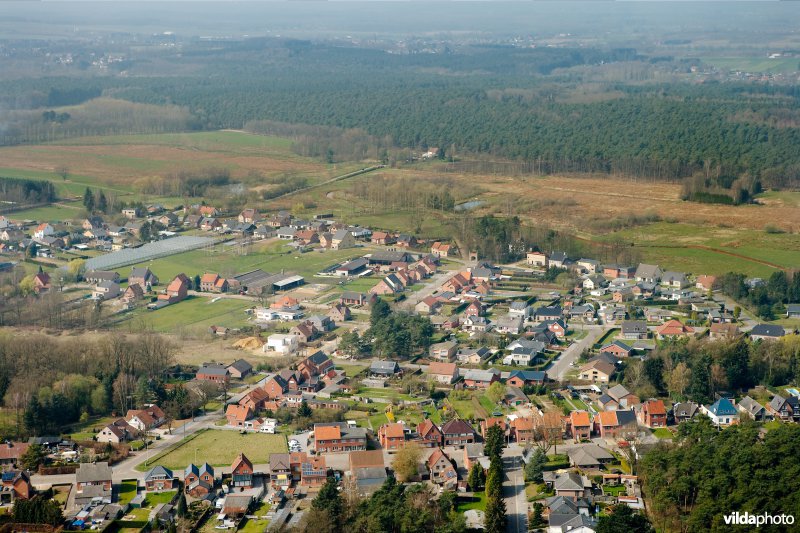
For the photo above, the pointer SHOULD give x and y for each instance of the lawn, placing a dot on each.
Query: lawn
(218, 448)
(256, 526)
(52, 213)
(195, 311)
(377, 420)
(87, 430)
(384, 393)
(154, 498)
(136, 520)
(663, 433)
(127, 491)
(615, 490)
(580, 404)
(467, 503)
(352, 370)
(464, 408)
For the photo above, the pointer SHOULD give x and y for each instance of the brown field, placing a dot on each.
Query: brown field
(123, 163)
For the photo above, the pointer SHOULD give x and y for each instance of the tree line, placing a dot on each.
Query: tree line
(767, 299)
(26, 192)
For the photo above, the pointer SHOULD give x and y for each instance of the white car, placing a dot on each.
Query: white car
(294, 442)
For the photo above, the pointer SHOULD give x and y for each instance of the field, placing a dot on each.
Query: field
(194, 312)
(271, 255)
(755, 64)
(219, 448)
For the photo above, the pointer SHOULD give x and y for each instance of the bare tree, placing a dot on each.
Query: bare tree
(124, 387)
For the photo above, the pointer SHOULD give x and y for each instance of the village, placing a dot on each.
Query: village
(536, 348)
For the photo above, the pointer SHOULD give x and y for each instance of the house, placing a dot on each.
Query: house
(145, 419)
(304, 332)
(116, 432)
(313, 471)
(41, 282)
(705, 283)
(617, 349)
(522, 378)
(106, 290)
(428, 434)
(477, 324)
(571, 485)
(614, 424)
(338, 437)
(254, 400)
(240, 369)
(548, 313)
(392, 436)
(580, 426)
(480, 379)
(621, 397)
(177, 290)
(457, 433)
(784, 408)
(93, 483)
(198, 481)
(443, 351)
(439, 249)
(280, 469)
(97, 276)
(339, 313)
(558, 259)
(142, 277)
(314, 365)
(212, 282)
(753, 409)
(590, 266)
(385, 369)
(526, 356)
(634, 329)
(281, 343)
(673, 329)
(382, 238)
(474, 453)
(242, 472)
(793, 311)
(597, 371)
(132, 294)
(213, 372)
(722, 412)
(428, 305)
(15, 485)
(160, 479)
(762, 332)
(356, 298)
(276, 386)
(594, 282)
(404, 240)
(473, 356)
(237, 415)
(10, 453)
(522, 430)
(342, 240)
(590, 456)
(43, 230)
(249, 216)
(443, 373)
(653, 414)
(675, 280)
(720, 330)
(537, 259)
(648, 273)
(684, 411)
(441, 469)
(509, 325)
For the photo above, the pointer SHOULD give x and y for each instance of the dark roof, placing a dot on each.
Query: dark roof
(529, 375)
(456, 426)
(722, 407)
(625, 417)
(241, 365)
(768, 330)
(384, 367)
(317, 358)
(634, 326)
(554, 310)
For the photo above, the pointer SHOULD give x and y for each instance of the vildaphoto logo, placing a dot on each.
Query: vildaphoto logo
(758, 520)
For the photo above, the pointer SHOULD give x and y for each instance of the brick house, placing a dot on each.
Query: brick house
(613, 424)
(237, 415)
(457, 433)
(198, 481)
(580, 426)
(429, 434)
(522, 429)
(213, 372)
(242, 472)
(160, 479)
(14, 485)
(337, 437)
(391, 436)
(441, 469)
(653, 414)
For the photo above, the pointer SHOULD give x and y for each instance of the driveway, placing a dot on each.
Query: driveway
(562, 364)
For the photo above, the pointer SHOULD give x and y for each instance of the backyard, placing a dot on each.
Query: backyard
(218, 448)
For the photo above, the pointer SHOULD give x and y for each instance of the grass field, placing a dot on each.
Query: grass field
(256, 526)
(663, 433)
(755, 64)
(476, 501)
(219, 448)
(127, 491)
(194, 312)
(271, 256)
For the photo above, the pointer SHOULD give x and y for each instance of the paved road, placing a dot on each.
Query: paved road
(431, 285)
(561, 365)
(514, 494)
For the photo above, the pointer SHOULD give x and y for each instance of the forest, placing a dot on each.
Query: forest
(479, 102)
(26, 192)
(706, 473)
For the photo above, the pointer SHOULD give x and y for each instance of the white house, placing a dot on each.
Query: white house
(722, 412)
(281, 343)
(106, 290)
(43, 230)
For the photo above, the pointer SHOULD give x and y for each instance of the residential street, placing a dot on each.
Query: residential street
(514, 494)
(561, 365)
